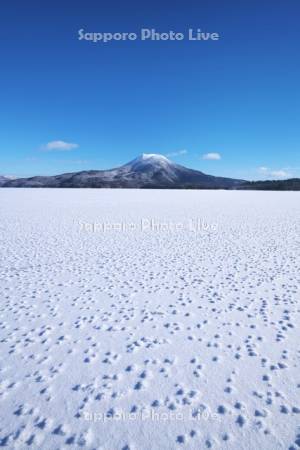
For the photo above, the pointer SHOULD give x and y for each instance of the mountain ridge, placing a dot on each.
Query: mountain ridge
(147, 171)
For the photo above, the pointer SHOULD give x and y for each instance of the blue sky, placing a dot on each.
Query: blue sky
(237, 98)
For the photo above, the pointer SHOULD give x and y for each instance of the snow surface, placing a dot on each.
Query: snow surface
(144, 339)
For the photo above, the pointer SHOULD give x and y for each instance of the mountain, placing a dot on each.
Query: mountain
(3, 180)
(146, 171)
(150, 171)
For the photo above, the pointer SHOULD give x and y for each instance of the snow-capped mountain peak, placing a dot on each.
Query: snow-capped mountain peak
(153, 156)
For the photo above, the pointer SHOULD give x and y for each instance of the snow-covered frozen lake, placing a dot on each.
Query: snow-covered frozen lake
(149, 320)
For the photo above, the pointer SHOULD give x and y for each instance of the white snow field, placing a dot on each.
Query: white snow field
(160, 337)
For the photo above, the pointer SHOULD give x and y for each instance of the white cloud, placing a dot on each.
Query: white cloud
(263, 169)
(10, 177)
(212, 156)
(178, 153)
(60, 146)
(280, 173)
